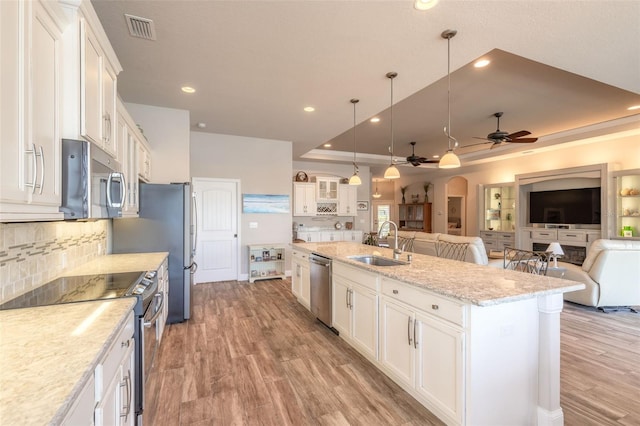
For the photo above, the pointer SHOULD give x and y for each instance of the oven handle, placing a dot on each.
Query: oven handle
(158, 311)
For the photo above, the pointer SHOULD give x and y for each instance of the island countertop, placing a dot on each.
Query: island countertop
(48, 353)
(467, 282)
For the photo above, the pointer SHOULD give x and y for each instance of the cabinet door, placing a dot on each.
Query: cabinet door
(127, 389)
(108, 410)
(90, 86)
(347, 200)
(341, 306)
(364, 325)
(397, 354)
(109, 94)
(305, 284)
(144, 162)
(296, 278)
(440, 371)
(304, 199)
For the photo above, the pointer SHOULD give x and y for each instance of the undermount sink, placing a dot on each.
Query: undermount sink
(377, 260)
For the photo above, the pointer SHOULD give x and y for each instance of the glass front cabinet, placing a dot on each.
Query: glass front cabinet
(498, 207)
(627, 204)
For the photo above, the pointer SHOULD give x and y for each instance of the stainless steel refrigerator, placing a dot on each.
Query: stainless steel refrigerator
(165, 223)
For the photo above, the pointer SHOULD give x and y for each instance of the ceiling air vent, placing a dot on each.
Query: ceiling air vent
(141, 27)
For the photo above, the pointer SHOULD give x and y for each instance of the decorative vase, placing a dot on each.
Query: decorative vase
(403, 201)
(426, 197)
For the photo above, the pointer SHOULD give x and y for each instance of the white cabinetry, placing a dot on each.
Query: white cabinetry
(163, 287)
(308, 236)
(494, 240)
(575, 242)
(30, 110)
(353, 236)
(326, 236)
(81, 413)
(355, 308)
(115, 381)
(327, 188)
(347, 200)
(424, 350)
(98, 91)
(304, 199)
(301, 278)
(144, 162)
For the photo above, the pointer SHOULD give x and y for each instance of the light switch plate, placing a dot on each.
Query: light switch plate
(253, 225)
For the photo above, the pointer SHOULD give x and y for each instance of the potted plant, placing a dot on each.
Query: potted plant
(426, 191)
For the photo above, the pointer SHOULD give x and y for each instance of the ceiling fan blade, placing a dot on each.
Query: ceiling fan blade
(524, 140)
(519, 134)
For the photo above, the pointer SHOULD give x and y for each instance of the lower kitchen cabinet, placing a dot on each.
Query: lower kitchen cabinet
(163, 286)
(115, 382)
(420, 350)
(300, 278)
(355, 308)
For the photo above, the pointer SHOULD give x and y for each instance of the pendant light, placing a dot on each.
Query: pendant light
(392, 171)
(376, 194)
(355, 179)
(450, 160)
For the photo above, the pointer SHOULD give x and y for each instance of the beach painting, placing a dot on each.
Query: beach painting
(265, 203)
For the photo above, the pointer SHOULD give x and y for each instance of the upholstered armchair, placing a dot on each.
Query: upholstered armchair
(611, 274)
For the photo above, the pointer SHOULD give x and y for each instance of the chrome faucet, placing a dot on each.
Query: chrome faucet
(396, 250)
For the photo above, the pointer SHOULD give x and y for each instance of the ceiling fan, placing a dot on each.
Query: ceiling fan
(416, 160)
(499, 136)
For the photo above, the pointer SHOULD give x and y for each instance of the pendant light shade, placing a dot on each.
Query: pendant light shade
(376, 194)
(450, 160)
(355, 179)
(392, 171)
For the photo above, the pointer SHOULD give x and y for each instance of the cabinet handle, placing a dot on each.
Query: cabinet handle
(127, 385)
(409, 331)
(346, 297)
(34, 165)
(435, 307)
(124, 344)
(395, 291)
(415, 340)
(571, 235)
(42, 170)
(351, 299)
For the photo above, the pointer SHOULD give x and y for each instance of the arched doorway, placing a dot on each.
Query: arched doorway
(456, 212)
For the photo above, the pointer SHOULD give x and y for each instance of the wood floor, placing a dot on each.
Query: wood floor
(251, 355)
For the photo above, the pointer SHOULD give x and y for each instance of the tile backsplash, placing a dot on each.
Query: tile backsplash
(32, 254)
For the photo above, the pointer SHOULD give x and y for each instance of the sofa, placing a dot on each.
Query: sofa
(427, 243)
(610, 272)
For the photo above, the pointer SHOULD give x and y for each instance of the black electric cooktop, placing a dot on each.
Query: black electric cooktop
(79, 289)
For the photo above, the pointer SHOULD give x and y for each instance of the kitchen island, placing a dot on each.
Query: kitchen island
(474, 344)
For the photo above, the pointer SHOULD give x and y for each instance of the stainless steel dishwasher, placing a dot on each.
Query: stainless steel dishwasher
(320, 271)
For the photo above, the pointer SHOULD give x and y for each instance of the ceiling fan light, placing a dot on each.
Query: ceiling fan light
(449, 161)
(391, 172)
(424, 4)
(355, 179)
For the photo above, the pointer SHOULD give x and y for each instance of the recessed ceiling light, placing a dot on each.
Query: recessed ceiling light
(436, 156)
(187, 89)
(634, 107)
(309, 109)
(482, 63)
(327, 145)
(375, 120)
(424, 4)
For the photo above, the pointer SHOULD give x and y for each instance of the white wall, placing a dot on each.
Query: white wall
(263, 166)
(167, 131)
(621, 151)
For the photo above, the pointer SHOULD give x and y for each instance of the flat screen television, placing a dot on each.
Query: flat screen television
(567, 206)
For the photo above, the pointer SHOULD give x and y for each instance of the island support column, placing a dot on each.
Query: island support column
(549, 410)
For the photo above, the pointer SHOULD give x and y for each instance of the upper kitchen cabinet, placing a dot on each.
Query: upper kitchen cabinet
(98, 91)
(127, 140)
(304, 199)
(90, 79)
(144, 162)
(347, 200)
(30, 113)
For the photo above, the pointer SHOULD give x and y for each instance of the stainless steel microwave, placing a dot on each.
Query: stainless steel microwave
(93, 185)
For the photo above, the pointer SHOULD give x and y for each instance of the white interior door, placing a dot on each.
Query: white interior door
(382, 210)
(217, 218)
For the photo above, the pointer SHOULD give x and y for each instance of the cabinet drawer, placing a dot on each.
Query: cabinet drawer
(568, 235)
(109, 366)
(490, 244)
(547, 235)
(300, 256)
(484, 234)
(358, 276)
(426, 302)
(506, 236)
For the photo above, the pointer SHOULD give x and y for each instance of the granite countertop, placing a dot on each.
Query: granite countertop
(48, 354)
(114, 263)
(467, 282)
